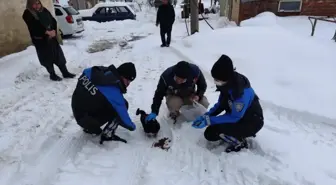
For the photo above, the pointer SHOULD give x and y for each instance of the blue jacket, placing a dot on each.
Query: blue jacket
(100, 92)
(238, 100)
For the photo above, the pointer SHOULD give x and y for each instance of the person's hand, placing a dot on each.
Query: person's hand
(195, 98)
(48, 33)
(198, 119)
(151, 117)
(200, 122)
(52, 33)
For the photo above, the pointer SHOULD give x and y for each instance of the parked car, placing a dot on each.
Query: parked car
(69, 20)
(112, 11)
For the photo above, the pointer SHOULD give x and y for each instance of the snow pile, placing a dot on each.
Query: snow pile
(15, 64)
(262, 19)
(283, 67)
(301, 25)
(86, 12)
(225, 22)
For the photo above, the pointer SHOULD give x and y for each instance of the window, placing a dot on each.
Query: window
(290, 5)
(71, 11)
(122, 9)
(111, 10)
(101, 11)
(58, 12)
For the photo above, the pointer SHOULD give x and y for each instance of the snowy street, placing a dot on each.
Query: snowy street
(292, 73)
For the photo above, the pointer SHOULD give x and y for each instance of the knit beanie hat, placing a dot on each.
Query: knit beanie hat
(127, 70)
(223, 69)
(182, 69)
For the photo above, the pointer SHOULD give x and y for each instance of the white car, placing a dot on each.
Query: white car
(68, 19)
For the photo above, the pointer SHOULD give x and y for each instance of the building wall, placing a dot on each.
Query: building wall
(319, 7)
(309, 7)
(14, 36)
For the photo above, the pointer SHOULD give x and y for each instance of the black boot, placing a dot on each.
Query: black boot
(65, 72)
(108, 133)
(236, 147)
(53, 75)
(94, 133)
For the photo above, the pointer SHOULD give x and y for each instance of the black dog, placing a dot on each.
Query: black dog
(150, 127)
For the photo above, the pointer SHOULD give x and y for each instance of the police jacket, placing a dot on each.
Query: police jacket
(239, 101)
(99, 93)
(168, 86)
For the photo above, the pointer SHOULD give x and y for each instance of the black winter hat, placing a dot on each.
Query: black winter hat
(127, 70)
(223, 69)
(182, 69)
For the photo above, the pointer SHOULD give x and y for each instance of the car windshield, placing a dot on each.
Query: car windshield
(71, 11)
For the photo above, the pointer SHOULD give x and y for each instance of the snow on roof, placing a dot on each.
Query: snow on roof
(110, 4)
(94, 8)
(61, 5)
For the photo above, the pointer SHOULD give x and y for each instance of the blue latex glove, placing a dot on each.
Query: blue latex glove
(151, 116)
(199, 119)
(200, 122)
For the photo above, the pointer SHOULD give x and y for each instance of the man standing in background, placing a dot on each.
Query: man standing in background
(165, 18)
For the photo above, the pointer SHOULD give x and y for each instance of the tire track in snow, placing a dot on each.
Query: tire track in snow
(117, 162)
(31, 130)
(184, 155)
(320, 129)
(25, 107)
(142, 156)
(25, 123)
(42, 170)
(199, 164)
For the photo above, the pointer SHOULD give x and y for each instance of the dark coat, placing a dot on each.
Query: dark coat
(165, 16)
(36, 28)
(167, 85)
(48, 50)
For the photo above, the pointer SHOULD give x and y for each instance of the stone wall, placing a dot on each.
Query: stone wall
(14, 36)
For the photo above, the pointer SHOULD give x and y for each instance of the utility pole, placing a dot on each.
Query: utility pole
(223, 5)
(194, 26)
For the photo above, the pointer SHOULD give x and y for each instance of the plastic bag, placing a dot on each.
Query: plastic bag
(191, 112)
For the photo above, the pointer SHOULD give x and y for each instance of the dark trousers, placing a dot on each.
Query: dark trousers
(49, 52)
(246, 127)
(93, 123)
(163, 31)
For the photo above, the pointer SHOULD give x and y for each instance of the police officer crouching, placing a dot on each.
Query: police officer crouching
(98, 99)
(181, 84)
(243, 113)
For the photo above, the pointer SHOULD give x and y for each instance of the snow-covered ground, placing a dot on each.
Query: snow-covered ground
(40, 143)
(284, 66)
